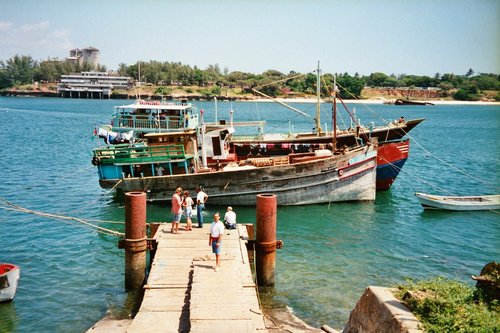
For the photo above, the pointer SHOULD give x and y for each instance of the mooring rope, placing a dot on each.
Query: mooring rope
(85, 224)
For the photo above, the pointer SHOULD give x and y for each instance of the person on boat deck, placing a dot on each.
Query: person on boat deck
(188, 210)
(159, 170)
(215, 238)
(401, 120)
(176, 210)
(230, 218)
(201, 198)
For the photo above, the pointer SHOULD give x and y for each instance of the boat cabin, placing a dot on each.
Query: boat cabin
(162, 154)
(155, 116)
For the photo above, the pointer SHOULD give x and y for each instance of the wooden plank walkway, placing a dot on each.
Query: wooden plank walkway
(185, 294)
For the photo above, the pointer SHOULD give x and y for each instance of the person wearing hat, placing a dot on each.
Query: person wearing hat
(230, 218)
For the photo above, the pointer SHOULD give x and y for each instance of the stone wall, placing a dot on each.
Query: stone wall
(379, 311)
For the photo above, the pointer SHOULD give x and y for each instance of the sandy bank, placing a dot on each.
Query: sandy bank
(373, 101)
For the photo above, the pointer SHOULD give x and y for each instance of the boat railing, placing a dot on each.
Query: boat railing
(168, 123)
(139, 154)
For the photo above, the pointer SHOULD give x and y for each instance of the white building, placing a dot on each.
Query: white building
(92, 84)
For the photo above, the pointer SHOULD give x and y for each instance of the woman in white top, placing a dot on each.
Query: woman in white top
(188, 210)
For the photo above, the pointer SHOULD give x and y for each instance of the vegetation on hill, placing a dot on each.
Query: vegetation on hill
(212, 81)
(444, 305)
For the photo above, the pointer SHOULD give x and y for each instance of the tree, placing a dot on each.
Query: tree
(486, 82)
(18, 70)
(376, 79)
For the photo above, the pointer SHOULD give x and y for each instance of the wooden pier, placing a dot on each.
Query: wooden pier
(185, 294)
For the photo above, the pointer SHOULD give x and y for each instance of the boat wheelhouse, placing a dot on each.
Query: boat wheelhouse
(154, 117)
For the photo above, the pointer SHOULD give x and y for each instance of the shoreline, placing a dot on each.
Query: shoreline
(379, 100)
(372, 101)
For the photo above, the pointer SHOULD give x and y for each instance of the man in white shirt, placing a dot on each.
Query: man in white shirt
(215, 238)
(201, 198)
(230, 218)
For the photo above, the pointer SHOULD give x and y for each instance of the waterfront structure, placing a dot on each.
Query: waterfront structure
(91, 84)
(89, 55)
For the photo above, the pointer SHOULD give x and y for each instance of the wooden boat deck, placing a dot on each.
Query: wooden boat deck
(184, 293)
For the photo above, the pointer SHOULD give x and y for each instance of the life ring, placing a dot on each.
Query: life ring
(341, 172)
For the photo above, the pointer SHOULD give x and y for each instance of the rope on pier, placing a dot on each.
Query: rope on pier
(86, 224)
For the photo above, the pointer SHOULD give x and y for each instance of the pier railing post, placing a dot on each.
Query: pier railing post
(135, 242)
(265, 245)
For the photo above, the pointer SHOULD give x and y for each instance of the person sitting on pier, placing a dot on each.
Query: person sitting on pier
(215, 238)
(230, 218)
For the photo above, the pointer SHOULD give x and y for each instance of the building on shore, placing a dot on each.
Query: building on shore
(91, 85)
(89, 55)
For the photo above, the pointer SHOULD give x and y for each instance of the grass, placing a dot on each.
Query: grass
(450, 306)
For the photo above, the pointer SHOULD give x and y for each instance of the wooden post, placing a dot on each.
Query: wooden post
(135, 239)
(265, 247)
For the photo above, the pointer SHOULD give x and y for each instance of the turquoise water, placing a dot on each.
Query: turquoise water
(71, 276)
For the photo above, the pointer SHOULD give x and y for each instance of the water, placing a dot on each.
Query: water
(71, 276)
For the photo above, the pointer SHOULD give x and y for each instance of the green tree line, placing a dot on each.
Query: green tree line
(21, 69)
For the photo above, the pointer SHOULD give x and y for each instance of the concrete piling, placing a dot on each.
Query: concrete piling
(265, 245)
(135, 242)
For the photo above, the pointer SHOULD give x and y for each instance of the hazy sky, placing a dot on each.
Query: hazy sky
(421, 37)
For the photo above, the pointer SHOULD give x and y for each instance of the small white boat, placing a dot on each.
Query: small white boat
(9, 277)
(479, 202)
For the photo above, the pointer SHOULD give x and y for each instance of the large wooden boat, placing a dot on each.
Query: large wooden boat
(393, 146)
(320, 176)
(479, 202)
(9, 278)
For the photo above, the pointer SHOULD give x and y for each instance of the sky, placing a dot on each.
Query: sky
(420, 37)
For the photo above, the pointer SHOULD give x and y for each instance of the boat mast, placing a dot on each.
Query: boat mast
(318, 105)
(139, 79)
(215, 102)
(334, 113)
(203, 148)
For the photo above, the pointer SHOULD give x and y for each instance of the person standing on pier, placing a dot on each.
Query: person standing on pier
(176, 210)
(201, 198)
(215, 238)
(188, 210)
